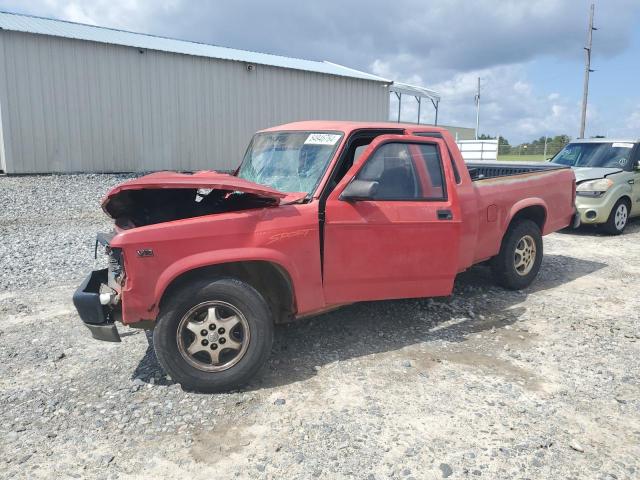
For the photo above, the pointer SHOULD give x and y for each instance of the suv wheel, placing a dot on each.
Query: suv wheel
(213, 335)
(618, 218)
(518, 262)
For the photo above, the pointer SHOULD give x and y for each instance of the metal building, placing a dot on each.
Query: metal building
(79, 98)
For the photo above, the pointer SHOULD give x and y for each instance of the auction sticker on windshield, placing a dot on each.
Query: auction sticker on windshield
(322, 139)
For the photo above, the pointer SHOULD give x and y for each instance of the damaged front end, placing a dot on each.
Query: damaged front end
(167, 196)
(97, 299)
(154, 199)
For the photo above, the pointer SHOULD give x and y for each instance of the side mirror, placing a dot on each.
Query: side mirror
(359, 190)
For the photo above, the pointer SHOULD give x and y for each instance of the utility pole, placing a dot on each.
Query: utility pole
(587, 71)
(478, 110)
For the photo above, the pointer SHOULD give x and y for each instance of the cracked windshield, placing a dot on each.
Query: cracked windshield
(289, 161)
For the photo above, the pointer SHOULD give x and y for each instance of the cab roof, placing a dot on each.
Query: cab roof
(348, 127)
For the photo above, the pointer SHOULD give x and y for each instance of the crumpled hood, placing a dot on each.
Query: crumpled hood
(589, 173)
(202, 179)
(165, 196)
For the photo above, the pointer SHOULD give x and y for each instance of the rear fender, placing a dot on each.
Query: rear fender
(520, 206)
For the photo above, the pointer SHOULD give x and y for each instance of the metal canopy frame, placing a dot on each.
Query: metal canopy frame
(418, 93)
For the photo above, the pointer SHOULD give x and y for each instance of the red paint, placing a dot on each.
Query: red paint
(372, 249)
(202, 179)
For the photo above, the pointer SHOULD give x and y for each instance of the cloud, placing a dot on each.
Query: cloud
(135, 15)
(631, 125)
(509, 105)
(441, 44)
(416, 35)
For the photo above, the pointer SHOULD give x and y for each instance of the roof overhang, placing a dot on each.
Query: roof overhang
(406, 89)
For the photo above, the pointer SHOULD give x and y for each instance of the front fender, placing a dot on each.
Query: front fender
(219, 257)
(619, 190)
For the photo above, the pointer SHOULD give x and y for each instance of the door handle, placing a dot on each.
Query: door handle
(445, 215)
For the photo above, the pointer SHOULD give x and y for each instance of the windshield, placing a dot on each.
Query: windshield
(289, 161)
(603, 155)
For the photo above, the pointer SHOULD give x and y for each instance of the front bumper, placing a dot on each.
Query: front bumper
(575, 220)
(97, 317)
(594, 210)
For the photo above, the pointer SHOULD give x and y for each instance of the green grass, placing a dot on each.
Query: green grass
(521, 158)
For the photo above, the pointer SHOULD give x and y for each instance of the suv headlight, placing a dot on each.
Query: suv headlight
(594, 188)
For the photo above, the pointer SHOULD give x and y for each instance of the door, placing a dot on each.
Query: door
(402, 240)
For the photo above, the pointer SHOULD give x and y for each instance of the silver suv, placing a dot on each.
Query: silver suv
(608, 180)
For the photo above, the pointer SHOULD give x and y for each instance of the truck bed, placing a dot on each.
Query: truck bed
(488, 169)
(501, 187)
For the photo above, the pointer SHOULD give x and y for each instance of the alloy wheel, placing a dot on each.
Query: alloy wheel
(620, 219)
(213, 336)
(525, 255)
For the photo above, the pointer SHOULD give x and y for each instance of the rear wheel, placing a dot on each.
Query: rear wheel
(518, 262)
(213, 335)
(618, 218)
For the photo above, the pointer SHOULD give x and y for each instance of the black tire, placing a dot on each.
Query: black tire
(503, 265)
(246, 300)
(615, 225)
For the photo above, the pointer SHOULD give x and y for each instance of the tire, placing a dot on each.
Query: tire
(618, 218)
(206, 307)
(510, 270)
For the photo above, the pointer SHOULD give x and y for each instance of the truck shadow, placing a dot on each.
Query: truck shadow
(375, 327)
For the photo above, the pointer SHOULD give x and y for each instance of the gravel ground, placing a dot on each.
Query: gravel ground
(543, 383)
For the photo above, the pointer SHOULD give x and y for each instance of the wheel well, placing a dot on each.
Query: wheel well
(626, 199)
(271, 280)
(536, 213)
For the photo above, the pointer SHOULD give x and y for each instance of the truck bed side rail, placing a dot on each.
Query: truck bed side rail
(484, 170)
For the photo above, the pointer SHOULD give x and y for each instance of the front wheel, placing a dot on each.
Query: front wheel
(617, 221)
(518, 262)
(213, 336)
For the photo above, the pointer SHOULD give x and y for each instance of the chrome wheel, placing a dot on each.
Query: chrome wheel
(213, 336)
(620, 218)
(525, 255)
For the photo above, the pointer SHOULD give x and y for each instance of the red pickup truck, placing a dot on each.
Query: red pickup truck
(318, 215)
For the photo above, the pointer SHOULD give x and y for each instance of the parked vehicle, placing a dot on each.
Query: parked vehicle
(318, 215)
(608, 180)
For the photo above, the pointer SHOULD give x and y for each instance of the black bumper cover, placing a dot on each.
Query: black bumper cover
(94, 315)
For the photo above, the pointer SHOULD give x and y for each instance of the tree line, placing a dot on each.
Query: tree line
(534, 147)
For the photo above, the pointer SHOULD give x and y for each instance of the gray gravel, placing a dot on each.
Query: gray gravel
(492, 384)
(49, 226)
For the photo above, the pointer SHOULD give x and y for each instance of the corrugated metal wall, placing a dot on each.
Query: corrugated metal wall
(78, 106)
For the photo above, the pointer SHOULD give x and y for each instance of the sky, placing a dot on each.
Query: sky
(528, 53)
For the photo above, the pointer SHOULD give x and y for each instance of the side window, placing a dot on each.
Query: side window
(454, 167)
(405, 172)
(358, 151)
